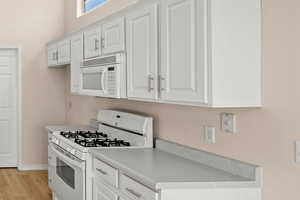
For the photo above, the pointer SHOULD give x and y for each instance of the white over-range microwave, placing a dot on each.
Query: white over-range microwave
(104, 77)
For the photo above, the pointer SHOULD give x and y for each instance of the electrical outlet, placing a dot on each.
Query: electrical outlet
(297, 153)
(228, 122)
(209, 135)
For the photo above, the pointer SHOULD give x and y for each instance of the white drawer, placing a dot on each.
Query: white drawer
(101, 192)
(135, 189)
(105, 172)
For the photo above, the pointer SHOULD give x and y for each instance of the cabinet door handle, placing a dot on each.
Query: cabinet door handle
(137, 195)
(96, 44)
(150, 80)
(102, 43)
(160, 83)
(101, 171)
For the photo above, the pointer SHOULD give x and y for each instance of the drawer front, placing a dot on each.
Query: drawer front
(106, 172)
(135, 189)
(101, 192)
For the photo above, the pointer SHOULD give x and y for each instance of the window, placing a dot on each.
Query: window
(91, 4)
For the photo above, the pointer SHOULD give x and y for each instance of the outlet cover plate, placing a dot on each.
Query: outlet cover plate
(228, 122)
(297, 153)
(209, 135)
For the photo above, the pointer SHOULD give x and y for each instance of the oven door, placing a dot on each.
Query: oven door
(93, 81)
(68, 176)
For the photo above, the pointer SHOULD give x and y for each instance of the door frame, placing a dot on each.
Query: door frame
(18, 79)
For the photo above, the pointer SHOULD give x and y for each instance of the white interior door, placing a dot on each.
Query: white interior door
(8, 108)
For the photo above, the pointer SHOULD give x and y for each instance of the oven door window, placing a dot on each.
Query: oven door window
(65, 172)
(92, 81)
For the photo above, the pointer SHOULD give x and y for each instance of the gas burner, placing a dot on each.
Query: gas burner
(85, 142)
(83, 135)
(101, 142)
(68, 134)
(94, 135)
(112, 143)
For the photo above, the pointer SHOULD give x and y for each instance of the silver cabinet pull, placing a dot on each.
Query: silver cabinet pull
(150, 80)
(137, 195)
(160, 83)
(101, 171)
(102, 42)
(96, 44)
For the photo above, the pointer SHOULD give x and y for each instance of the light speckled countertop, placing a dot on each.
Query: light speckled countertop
(159, 169)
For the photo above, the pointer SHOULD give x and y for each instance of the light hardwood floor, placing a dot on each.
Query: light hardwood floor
(24, 185)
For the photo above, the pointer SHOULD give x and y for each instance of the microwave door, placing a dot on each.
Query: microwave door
(92, 82)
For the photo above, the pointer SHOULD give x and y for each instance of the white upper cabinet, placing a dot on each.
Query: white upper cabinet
(59, 53)
(52, 55)
(104, 39)
(92, 42)
(142, 53)
(77, 58)
(235, 53)
(64, 52)
(191, 52)
(113, 36)
(183, 73)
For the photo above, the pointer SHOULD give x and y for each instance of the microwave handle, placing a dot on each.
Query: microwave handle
(104, 73)
(66, 158)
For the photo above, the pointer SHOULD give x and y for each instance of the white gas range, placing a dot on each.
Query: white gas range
(70, 163)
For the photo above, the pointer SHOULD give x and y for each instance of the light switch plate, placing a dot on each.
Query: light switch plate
(297, 153)
(228, 122)
(209, 135)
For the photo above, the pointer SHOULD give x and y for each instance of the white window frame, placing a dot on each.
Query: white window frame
(81, 7)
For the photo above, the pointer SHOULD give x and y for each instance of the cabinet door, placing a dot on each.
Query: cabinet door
(52, 55)
(113, 34)
(101, 192)
(64, 52)
(183, 75)
(142, 53)
(92, 40)
(76, 59)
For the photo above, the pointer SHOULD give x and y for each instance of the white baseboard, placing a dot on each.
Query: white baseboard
(33, 167)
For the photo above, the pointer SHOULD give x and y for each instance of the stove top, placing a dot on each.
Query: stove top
(93, 139)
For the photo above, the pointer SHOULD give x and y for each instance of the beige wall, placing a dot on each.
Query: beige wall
(265, 136)
(31, 24)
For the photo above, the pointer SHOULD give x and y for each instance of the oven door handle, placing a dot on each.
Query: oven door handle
(76, 163)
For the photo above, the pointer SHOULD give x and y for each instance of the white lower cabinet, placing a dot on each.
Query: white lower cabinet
(132, 188)
(76, 59)
(136, 190)
(101, 192)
